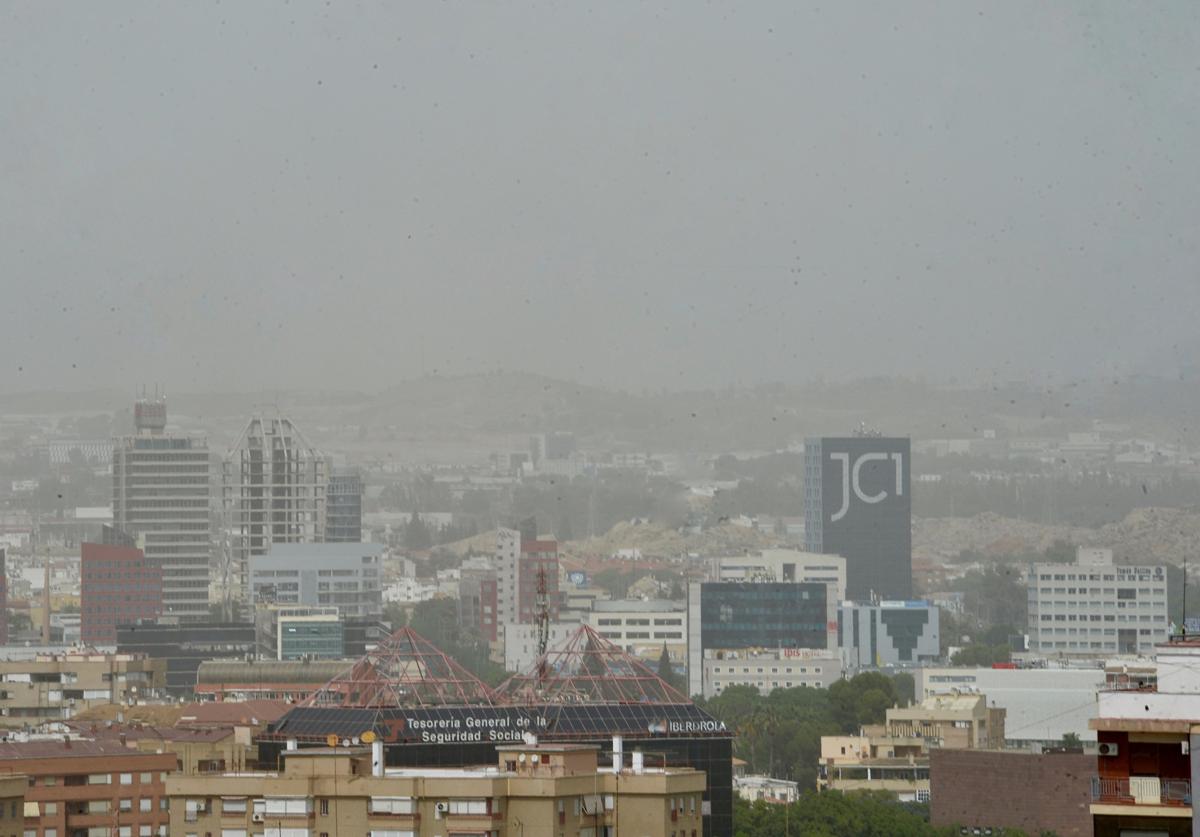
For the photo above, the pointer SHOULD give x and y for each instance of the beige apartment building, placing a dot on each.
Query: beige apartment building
(894, 756)
(533, 791)
(54, 687)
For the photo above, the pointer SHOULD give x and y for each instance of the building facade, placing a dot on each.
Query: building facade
(299, 632)
(739, 616)
(478, 604)
(274, 491)
(642, 627)
(52, 687)
(783, 668)
(161, 497)
(244, 680)
(117, 585)
(902, 634)
(3, 597)
(523, 564)
(535, 789)
(858, 504)
(96, 788)
(343, 513)
(182, 647)
(1095, 607)
(342, 575)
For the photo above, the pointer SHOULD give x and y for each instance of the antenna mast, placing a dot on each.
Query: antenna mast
(542, 605)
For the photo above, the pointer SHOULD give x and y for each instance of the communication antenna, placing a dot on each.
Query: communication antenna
(542, 604)
(1183, 620)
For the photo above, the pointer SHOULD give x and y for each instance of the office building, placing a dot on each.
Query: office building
(792, 565)
(523, 564)
(781, 668)
(343, 512)
(1043, 704)
(893, 757)
(643, 627)
(117, 585)
(54, 687)
(1148, 749)
(342, 575)
(182, 647)
(274, 491)
(78, 787)
(521, 643)
(161, 499)
(739, 616)
(299, 632)
(1095, 607)
(427, 711)
(534, 788)
(888, 634)
(858, 504)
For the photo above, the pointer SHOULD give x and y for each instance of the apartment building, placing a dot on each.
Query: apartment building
(1148, 745)
(523, 563)
(53, 687)
(161, 497)
(533, 789)
(12, 806)
(783, 668)
(1095, 607)
(894, 756)
(94, 788)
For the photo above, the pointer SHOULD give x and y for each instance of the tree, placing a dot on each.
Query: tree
(666, 670)
(416, 534)
(981, 654)
(1071, 741)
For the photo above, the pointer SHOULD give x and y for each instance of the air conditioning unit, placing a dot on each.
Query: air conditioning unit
(256, 818)
(1107, 748)
(440, 809)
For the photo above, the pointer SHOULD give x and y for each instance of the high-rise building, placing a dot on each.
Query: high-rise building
(343, 513)
(118, 585)
(1095, 607)
(523, 564)
(275, 491)
(161, 498)
(858, 504)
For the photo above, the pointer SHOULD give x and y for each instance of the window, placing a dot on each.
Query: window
(233, 832)
(389, 833)
(285, 832)
(50, 808)
(324, 807)
(233, 805)
(391, 805)
(99, 779)
(125, 831)
(472, 806)
(126, 778)
(285, 805)
(146, 778)
(125, 805)
(145, 805)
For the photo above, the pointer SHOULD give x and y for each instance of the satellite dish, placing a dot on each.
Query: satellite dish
(521, 758)
(355, 740)
(368, 737)
(345, 742)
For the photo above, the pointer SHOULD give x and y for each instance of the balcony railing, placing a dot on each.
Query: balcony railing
(1142, 790)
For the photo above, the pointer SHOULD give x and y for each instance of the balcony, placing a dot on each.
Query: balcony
(1144, 790)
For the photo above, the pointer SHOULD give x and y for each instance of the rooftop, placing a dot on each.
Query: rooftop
(74, 748)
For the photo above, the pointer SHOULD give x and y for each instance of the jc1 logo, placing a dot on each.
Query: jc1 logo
(852, 478)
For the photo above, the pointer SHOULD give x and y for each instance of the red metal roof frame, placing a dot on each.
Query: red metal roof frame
(404, 670)
(587, 668)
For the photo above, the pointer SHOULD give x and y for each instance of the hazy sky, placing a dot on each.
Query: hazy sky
(249, 195)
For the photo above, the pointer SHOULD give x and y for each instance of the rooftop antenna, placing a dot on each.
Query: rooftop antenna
(543, 622)
(1183, 620)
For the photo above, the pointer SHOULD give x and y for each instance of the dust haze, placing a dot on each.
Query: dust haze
(308, 195)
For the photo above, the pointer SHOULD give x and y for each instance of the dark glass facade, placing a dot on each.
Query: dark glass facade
(773, 615)
(184, 647)
(858, 504)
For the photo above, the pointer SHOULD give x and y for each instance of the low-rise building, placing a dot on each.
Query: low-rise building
(1148, 747)
(53, 687)
(643, 627)
(783, 668)
(76, 786)
(299, 632)
(766, 789)
(894, 756)
(534, 789)
(241, 680)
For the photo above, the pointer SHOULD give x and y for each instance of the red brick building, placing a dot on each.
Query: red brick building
(118, 586)
(1034, 792)
(90, 787)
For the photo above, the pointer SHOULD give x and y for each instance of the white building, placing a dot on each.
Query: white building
(783, 565)
(507, 563)
(643, 627)
(1043, 704)
(766, 789)
(783, 668)
(521, 643)
(345, 575)
(1095, 607)
(407, 590)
